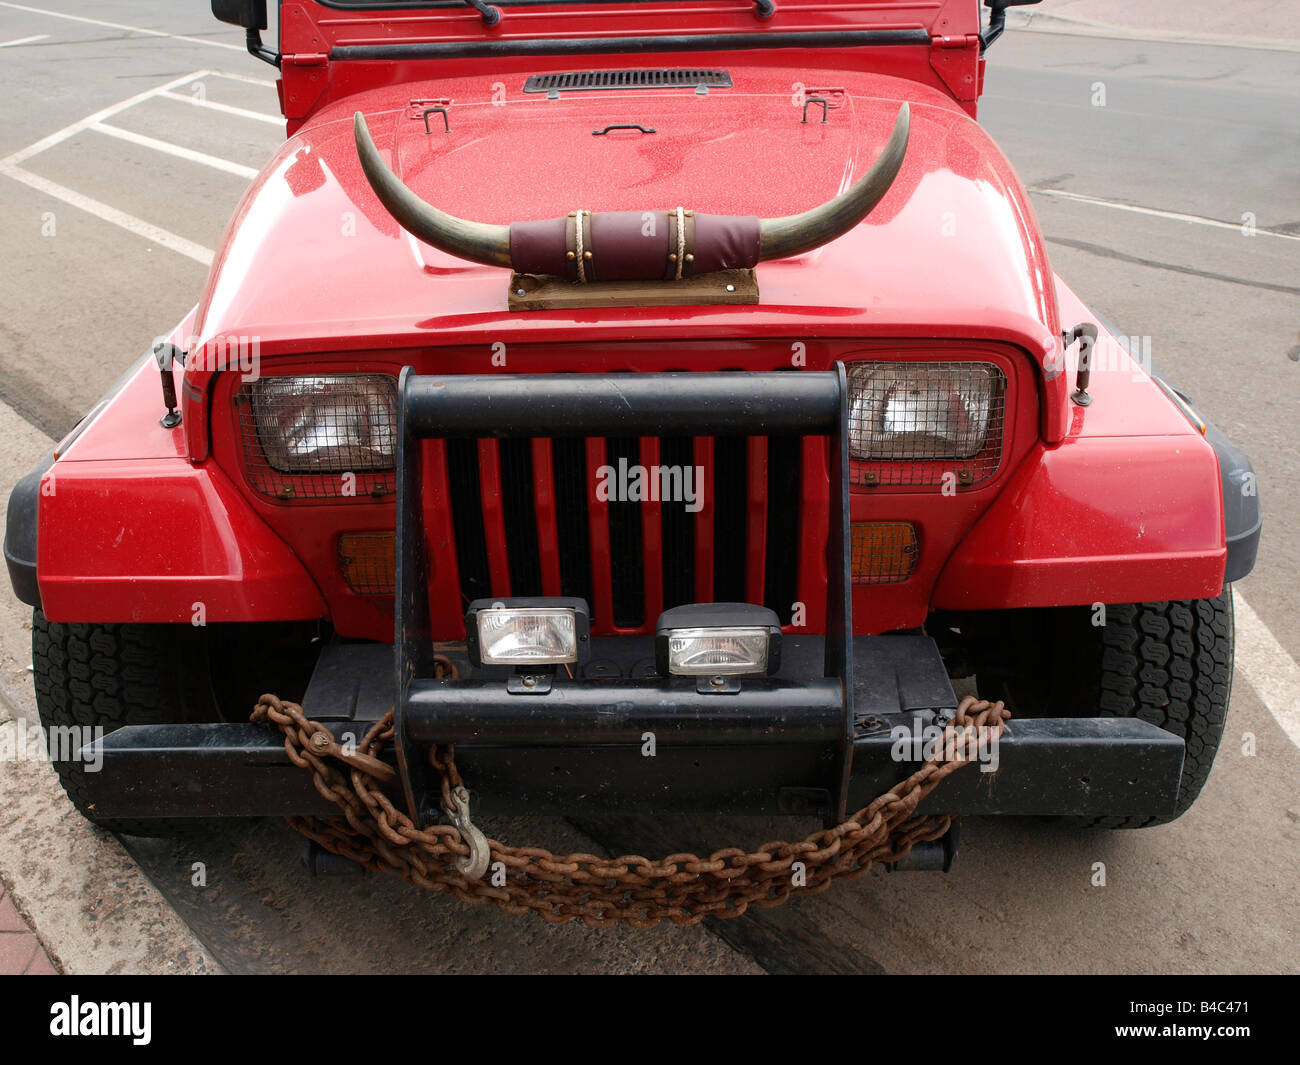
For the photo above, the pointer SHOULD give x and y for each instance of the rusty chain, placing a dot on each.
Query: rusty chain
(681, 888)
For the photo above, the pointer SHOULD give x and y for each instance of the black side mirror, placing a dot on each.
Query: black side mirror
(997, 19)
(251, 14)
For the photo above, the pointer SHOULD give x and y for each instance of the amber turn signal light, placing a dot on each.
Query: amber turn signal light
(367, 562)
(882, 552)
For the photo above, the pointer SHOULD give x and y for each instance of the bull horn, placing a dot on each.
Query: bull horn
(781, 238)
(476, 241)
(778, 238)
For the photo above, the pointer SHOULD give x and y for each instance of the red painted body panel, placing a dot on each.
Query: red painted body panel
(1128, 508)
(130, 530)
(311, 31)
(1057, 537)
(952, 252)
(1114, 503)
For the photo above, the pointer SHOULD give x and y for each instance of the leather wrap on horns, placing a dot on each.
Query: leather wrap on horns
(633, 245)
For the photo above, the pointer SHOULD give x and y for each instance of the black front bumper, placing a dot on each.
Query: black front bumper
(774, 748)
(844, 719)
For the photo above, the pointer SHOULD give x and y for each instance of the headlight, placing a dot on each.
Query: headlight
(717, 640)
(923, 410)
(336, 422)
(705, 652)
(526, 632)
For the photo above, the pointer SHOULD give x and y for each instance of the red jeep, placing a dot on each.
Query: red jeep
(658, 403)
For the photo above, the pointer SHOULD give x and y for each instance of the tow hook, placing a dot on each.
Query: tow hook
(320, 862)
(475, 864)
(934, 856)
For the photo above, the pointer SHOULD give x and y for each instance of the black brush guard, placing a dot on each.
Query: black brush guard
(821, 737)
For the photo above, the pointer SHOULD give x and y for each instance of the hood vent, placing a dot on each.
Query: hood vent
(594, 80)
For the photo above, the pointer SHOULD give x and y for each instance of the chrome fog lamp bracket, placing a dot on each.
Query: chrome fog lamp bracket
(717, 643)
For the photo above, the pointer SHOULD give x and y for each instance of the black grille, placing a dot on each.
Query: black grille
(571, 520)
(678, 526)
(467, 519)
(521, 520)
(730, 527)
(590, 80)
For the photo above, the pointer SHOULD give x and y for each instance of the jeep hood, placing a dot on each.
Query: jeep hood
(312, 254)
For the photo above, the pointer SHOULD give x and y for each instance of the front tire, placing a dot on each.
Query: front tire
(1166, 663)
(111, 675)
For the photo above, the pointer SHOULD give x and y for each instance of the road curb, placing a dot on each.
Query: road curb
(90, 905)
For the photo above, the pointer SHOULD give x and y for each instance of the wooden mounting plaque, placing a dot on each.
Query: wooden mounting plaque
(533, 292)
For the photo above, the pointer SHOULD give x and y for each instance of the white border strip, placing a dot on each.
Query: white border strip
(25, 40)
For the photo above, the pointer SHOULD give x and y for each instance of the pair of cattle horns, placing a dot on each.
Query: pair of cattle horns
(619, 245)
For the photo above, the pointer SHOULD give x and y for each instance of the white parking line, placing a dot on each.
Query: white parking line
(1270, 670)
(225, 109)
(155, 234)
(121, 26)
(264, 82)
(25, 40)
(59, 136)
(216, 162)
(1194, 219)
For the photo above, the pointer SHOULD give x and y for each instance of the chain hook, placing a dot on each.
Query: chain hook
(475, 864)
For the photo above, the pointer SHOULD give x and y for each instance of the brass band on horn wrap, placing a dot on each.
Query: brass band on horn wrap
(733, 241)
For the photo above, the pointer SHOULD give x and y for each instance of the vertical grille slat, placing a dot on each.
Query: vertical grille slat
(446, 610)
(784, 498)
(548, 546)
(494, 516)
(814, 524)
(626, 551)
